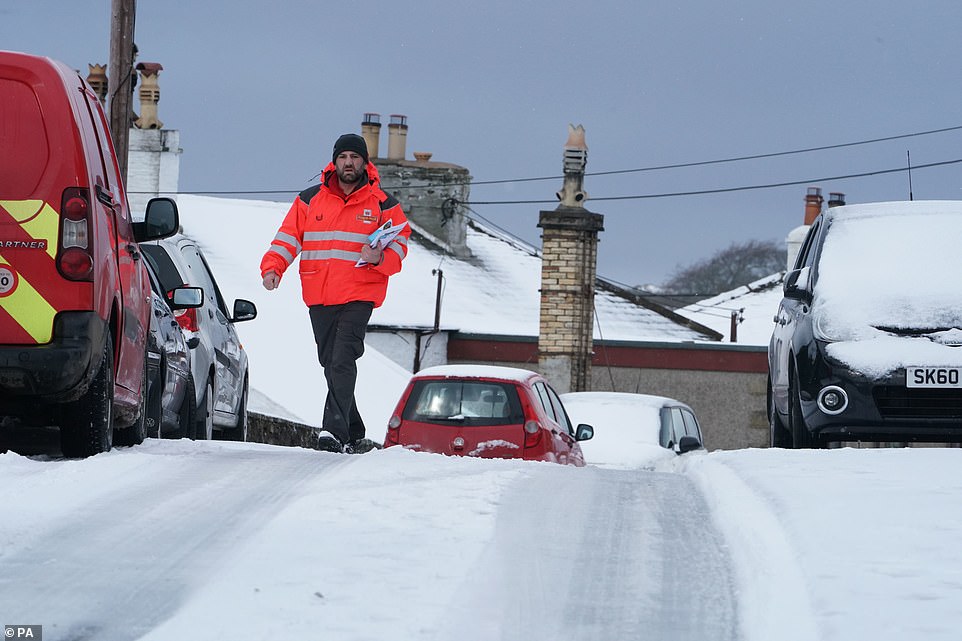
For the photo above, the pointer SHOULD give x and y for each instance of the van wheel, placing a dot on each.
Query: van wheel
(136, 433)
(87, 425)
(203, 424)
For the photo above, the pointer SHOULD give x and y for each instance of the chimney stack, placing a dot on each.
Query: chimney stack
(836, 199)
(149, 95)
(97, 79)
(569, 250)
(397, 133)
(371, 132)
(813, 204)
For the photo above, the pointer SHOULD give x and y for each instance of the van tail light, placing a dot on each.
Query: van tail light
(74, 256)
(532, 434)
(393, 436)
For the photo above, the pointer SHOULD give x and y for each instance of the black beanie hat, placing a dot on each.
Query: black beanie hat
(350, 142)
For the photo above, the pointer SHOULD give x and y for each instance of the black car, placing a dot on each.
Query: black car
(170, 387)
(218, 361)
(867, 344)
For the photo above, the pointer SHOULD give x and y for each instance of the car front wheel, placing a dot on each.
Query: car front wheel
(239, 432)
(778, 434)
(801, 437)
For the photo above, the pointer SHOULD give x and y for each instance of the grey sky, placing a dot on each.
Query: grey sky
(260, 90)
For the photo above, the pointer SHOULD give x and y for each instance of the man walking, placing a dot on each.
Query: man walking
(343, 277)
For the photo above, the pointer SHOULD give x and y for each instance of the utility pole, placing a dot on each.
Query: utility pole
(121, 70)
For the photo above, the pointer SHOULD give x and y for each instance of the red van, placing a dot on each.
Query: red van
(74, 292)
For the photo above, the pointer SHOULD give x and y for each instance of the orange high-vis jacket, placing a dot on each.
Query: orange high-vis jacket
(328, 231)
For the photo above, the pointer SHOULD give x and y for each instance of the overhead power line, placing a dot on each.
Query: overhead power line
(718, 161)
(722, 190)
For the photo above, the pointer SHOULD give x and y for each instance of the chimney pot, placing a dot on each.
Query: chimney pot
(149, 95)
(813, 204)
(836, 199)
(371, 132)
(397, 133)
(97, 79)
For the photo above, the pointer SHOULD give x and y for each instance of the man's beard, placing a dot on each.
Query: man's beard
(350, 179)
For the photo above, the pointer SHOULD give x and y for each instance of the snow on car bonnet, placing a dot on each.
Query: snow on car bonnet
(887, 288)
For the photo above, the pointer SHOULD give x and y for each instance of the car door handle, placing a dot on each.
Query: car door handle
(133, 250)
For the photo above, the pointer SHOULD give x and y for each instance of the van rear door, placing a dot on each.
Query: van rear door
(38, 148)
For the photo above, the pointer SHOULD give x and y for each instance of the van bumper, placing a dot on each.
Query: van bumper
(56, 372)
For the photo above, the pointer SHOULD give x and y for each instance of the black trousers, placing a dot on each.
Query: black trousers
(339, 333)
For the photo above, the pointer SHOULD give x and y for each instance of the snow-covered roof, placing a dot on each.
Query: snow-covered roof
(754, 304)
(497, 291)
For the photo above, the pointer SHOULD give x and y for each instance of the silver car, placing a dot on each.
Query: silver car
(219, 376)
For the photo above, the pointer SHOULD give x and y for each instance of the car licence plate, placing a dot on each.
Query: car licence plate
(933, 376)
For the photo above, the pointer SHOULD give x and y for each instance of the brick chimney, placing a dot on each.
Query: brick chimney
(569, 257)
(371, 132)
(397, 133)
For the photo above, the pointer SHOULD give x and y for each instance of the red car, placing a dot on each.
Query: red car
(486, 412)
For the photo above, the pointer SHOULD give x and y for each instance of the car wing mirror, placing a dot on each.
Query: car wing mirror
(688, 443)
(186, 298)
(798, 284)
(584, 432)
(244, 310)
(161, 220)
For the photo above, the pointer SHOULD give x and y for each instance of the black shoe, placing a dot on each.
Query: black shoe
(362, 445)
(327, 442)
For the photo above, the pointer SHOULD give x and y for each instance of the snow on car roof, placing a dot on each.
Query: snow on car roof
(469, 370)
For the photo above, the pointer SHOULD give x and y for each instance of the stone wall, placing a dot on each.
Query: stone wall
(280, 431)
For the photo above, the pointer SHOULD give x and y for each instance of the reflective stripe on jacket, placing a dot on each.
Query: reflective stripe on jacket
(328, 231)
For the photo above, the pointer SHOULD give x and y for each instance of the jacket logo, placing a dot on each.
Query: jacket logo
(367, 217)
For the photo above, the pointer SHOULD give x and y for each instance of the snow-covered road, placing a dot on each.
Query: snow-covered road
(242, 541)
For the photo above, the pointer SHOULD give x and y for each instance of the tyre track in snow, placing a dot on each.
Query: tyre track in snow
(613, 554)
(153, 532)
